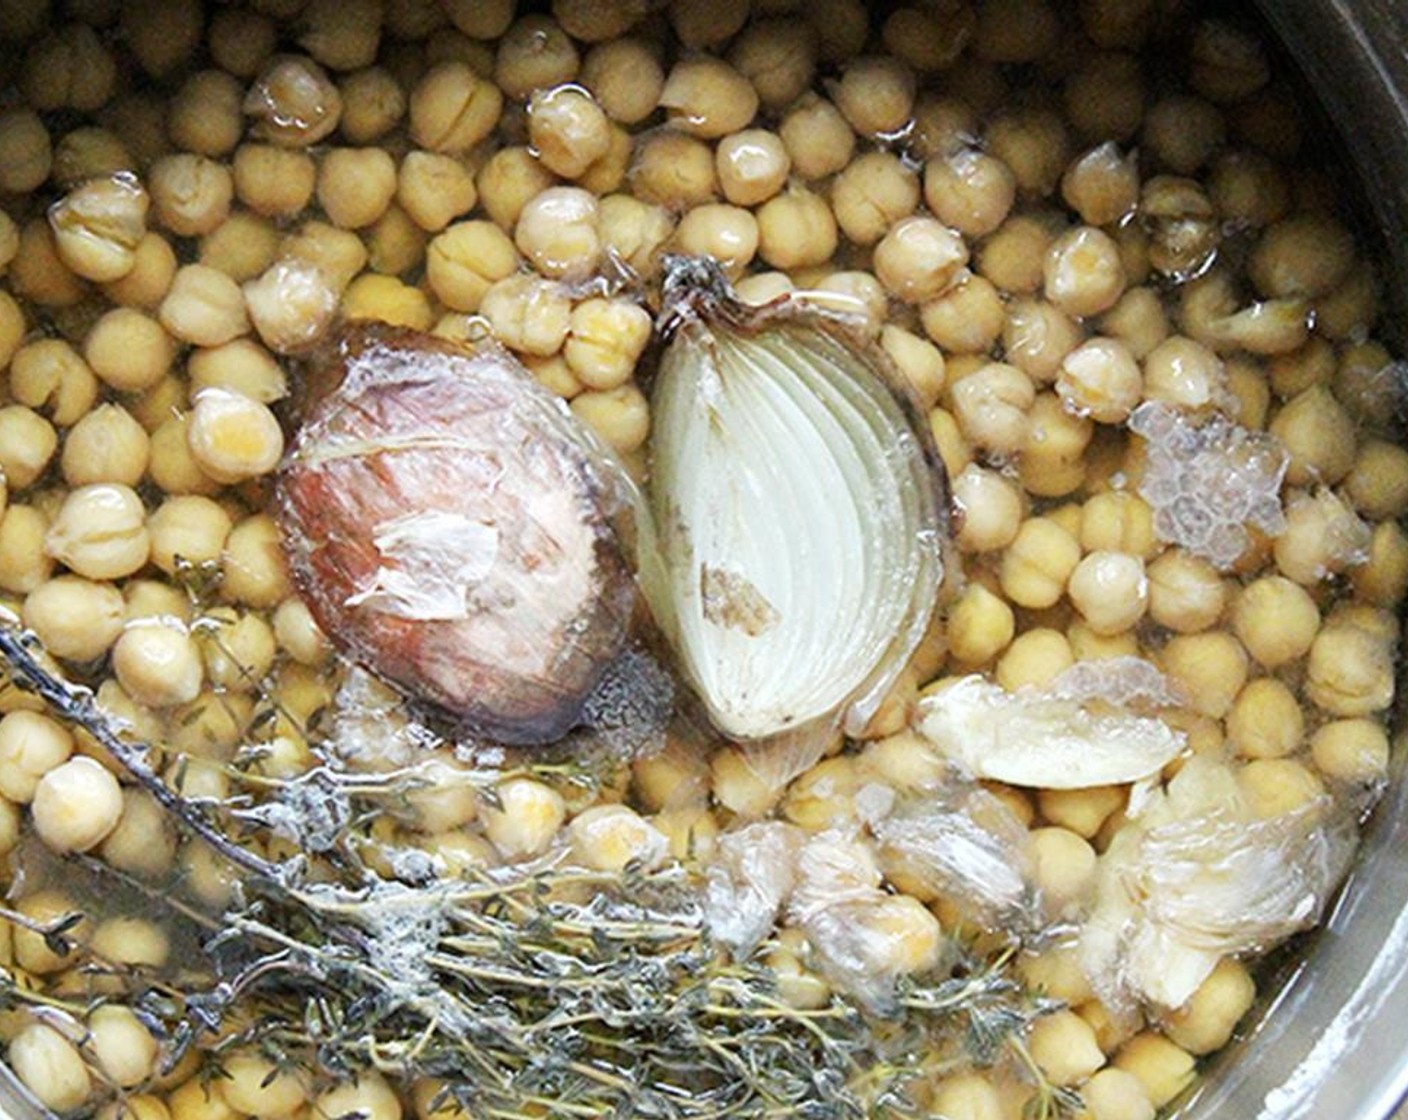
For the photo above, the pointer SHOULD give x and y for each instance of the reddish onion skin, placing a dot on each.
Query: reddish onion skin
(454, 530)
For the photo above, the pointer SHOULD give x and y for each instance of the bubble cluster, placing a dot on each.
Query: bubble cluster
(1208, 483)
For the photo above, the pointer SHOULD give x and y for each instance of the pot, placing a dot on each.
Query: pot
(1328, 1042)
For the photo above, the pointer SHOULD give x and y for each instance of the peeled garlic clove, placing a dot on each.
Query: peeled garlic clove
(1042, 741)
(797, 508)
(454, 530)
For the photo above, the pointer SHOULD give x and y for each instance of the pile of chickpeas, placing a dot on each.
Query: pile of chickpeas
(1047, 215)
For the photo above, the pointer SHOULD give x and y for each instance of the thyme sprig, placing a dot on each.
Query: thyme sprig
(533, 990)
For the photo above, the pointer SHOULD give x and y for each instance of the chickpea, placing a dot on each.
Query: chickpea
(1083, 271)
(190, 194)
(24, 564)
(291, 305)
(1183, 373)
(919, 362)
(729, 234)
(1064, 1046)
(980, 626)
(969, 190)
(38, 273)
(1274, 787)
(707, 25)
(26, 152)
(817, 138)
(1110, 590)
(31, 745)
(1351, 750)
(241, 41)
(991, 509)
(107, 445)
(27, 444)
(1138, 321)
(273, 181)
(612, 837)
(528, 314)
(355, 186)
(779, 57)
(871, 194)
(1301, 257)
(1011, 257)
(188, 528)
(1182, 133)
(76, 619)
(1350, 671)
(1383, 578)
(68, 69)
(466, 260)
(205, 115)
(559, 232)
(480, 19)
(706, 97)
(242, 247)
(203, 307)
(993, 405)
(567, 129)
(620, 416)
(876, 95)
(50, 1067)
(76, 804)
(255, 1086)
(157, 663)
(1208, 668)
(606, 339)
(294, 103)
(674, 170)
(1038, 563)
(796, 229)
(625, 78)
(434, 189)
(526, 818)
(1320, 436)
(388, 300)
(99, 532)
(1323, 536)
(919, 259)
(1034, 660)
(232, 437)
(98, 226)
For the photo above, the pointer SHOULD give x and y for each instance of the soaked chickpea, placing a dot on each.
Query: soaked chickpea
(707, 98)
(817, 137)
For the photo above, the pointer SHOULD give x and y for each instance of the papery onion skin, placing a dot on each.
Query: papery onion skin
(453, 529)
(799, 507)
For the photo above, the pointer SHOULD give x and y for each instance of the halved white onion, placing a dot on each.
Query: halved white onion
(797, 512)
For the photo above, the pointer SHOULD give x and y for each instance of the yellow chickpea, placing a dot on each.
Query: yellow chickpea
(528, 314)
(1266, 720)
(1110, 590)
(1276, 620)
(24, 564)
(620, 416)
(434, 189)
(876, 95)
(77, 619)
(796, 229)
(254, 573)
(1183, 373)
(1350, 671)
(1320, 436)
(274, 181)
(291, 305)
(980, 626)
(817, 138)
(373, 103)
(1012, 255)
(355, 185)
(729, 234)
(993, 405)
(870, 195)
(26, 152)
(100, 532)
(990, 509)
(919, 259)
(1209, 670)
(1084, 274)
(107, 445)
(535, 53)
(452, 108)
(1038, 563)
(674, 170)
(606, 338)
(1383, 578)
(1307, 256)
(190, 194)
(625, 77)
(466, 260)
(706, 97)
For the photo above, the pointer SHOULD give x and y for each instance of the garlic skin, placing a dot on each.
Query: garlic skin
(798, 511)
(454, 530)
